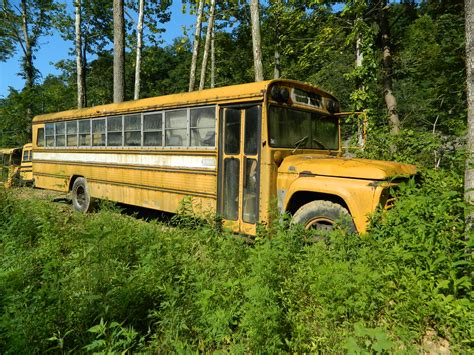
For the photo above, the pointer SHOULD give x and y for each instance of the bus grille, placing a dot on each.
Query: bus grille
(389, 203)
(388, 197)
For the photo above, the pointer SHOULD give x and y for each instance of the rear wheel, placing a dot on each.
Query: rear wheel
(324, 216)
(81, 198)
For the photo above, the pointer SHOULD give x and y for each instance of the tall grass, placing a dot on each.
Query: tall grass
(110, 282)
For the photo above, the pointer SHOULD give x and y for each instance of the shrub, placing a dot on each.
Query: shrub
(109, 282)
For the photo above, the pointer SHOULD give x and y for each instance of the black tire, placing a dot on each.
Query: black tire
(81, 198)
(324, 216)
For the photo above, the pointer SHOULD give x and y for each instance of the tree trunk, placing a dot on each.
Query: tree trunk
(28, 59)
(213, 59)
(197, 38)
(359, 53)
(256, 40)
(276, 53)
(136, 94)
(79, 66)
(210, 27)
(358, 64)
(390, 99)
(119, 51)
(469, 173)
(84, 68)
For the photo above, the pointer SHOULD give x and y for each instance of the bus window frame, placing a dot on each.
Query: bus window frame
(92, 145)
(121, 145)
(151, 113)
(71, 135)
(165, 129)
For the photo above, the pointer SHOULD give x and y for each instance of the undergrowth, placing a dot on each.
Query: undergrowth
(108, 282)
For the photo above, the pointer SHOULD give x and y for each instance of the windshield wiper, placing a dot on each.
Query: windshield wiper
(298, 143)
(321, 144)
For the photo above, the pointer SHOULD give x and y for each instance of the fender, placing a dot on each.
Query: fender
(358, 194)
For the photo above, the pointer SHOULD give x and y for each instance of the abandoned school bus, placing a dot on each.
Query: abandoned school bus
(26, 168)
(10, 161)
(237, 151)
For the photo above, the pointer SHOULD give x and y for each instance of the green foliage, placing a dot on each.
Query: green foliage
(112, 338)
(374, 340)
(416, 147)
(430, 68)
(107, 282)
(16, 110)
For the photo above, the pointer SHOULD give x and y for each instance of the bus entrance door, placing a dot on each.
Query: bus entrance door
(239, 165)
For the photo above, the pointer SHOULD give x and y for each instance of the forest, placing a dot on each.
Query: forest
(109, 282)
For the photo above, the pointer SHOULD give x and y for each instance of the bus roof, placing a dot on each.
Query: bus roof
(8, 150)
(208, 96)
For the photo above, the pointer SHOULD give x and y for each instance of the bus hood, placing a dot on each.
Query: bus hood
(345, 167)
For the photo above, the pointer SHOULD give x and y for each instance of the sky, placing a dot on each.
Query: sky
(53, 49)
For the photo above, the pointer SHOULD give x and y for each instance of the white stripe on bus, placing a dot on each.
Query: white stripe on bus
(183, 161)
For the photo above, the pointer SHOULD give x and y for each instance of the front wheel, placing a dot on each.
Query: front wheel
(323, 216)
(81, 198)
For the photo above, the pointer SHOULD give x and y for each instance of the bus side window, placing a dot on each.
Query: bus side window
(203, 127)
(25, 155)
(60, 130)
(153, 129)
(114, 131)
(84, 133)
(132, 128)
(176, 128)
(98, 132)
(71, 134)
(49, 134)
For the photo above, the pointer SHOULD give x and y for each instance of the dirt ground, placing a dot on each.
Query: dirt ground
(29, 192)
(62, 201)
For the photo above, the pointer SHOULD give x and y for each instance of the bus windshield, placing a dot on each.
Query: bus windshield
(291, 128)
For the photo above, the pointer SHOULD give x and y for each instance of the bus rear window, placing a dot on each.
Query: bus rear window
(40, 137)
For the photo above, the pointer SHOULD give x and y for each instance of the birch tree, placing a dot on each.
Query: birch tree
(81, 85)
(210, 28)
(119, 51)
(90, 29)
(136, 94)
(469, 173)
(197, 38)
(150, 15)
(213, 58)
(256, 40)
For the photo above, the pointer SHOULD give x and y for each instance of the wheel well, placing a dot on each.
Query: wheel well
(301, 198)
(71, 181)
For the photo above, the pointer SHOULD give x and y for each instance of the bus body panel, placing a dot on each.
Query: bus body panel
(356, 194)
(154, 182)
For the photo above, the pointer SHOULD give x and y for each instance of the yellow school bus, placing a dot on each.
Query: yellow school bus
(240, 151)
(10, 159)
(26, 168)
